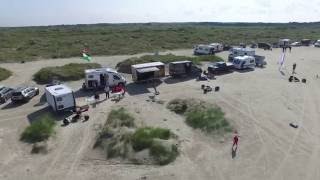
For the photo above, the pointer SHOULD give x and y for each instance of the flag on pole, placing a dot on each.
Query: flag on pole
(86, 57)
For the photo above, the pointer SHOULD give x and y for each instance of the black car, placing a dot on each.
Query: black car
(24, 93)
(220, 67)
(5, 94)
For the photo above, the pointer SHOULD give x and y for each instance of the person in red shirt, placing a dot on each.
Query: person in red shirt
(235, 141)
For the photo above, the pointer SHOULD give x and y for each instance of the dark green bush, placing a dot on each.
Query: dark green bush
(143, 137)
(40, 130)
(68, 72)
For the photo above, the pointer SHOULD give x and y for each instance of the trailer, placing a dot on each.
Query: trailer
(99, 78)
(234, 52)
(180, 68)
(244, 62)
(60, 98)
(147, 71)
(203, 49)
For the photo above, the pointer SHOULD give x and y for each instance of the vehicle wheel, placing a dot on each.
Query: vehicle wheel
(37, 92)
(2, 100)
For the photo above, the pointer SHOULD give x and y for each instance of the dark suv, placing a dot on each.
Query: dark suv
(5, 94)
(24, 93)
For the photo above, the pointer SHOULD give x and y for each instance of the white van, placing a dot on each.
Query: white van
(60, 97)
(244, 62)
(202, 49)
(97, 78)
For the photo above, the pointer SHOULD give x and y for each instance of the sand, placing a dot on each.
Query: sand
(260, 105)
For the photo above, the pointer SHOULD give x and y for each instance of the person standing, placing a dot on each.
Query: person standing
(107, 91)
(290, 48)
(294, 66)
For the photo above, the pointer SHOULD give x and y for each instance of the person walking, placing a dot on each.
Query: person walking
(235, 141)
(107, 91)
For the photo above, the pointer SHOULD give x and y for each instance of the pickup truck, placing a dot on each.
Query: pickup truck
(220, 67)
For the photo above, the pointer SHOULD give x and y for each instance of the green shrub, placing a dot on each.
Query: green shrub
(163, 155)
(40, 130)
(4, 74)
(178, 106)
(201, 115)
(68, 72)
(143, 137)
(120, 117)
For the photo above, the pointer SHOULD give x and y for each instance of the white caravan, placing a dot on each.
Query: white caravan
(244, 62)
(217, 47)
(284, 43)
(97, 78)
(234, 52)
(202, 49)
(60, 97)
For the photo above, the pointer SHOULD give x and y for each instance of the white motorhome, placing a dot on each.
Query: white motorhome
(244, 62)
(60, 97)
(97, 78)
(202, 49)
(234, 52)
(217, 47)
(284, 43)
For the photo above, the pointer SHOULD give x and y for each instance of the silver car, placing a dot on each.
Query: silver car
(24, 93)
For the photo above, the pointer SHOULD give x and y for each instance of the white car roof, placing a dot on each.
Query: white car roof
(243, 57)
(98, 70)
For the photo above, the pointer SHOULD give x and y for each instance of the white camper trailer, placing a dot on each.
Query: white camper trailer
(244, 62)
(97, 78)
(60, 97)
(217, 47)
(202, 49)
(284, 43)
(234, 52)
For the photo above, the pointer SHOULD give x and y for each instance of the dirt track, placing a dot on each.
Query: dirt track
(260, 104)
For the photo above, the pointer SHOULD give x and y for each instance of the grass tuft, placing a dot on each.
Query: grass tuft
(4, 74)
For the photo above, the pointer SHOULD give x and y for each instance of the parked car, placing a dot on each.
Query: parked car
(317, 44)
(220, 67)
(24, 93)
(296, 44)
(265, 46)
(5, 94)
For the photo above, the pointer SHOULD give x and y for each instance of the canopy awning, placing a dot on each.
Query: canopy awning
(149, 69)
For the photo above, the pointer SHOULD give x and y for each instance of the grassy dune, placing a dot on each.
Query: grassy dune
(32, 43)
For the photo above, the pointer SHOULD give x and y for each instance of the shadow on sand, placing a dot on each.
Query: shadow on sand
(174, 80)
(12, 105)
(141, 88)
(37, 114)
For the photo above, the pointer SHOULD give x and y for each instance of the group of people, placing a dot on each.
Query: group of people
(284, 48)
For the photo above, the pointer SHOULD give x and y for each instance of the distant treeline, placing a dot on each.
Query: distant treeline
(50, 42)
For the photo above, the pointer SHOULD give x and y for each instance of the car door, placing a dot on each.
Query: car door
(116, 79)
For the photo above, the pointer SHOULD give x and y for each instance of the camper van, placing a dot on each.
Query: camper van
(234, 52)
(284, 43)
(147, 71)
(204, 50)
(60, 97)
(97, 78)
(244, 62)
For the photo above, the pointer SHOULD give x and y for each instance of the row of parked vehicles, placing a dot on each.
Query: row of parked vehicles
(23, 93)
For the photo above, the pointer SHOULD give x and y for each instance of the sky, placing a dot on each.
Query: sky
(56, 12)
